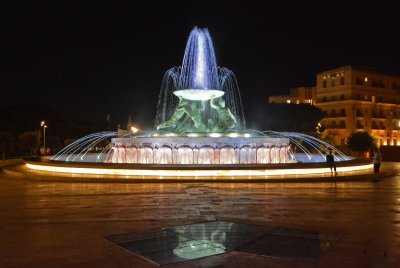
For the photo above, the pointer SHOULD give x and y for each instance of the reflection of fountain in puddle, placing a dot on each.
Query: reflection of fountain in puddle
(178, 244)
(197, 241)
(195, 249)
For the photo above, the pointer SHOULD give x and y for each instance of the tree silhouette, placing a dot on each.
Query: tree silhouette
(292, 117)
(360, 142)
(6, 143)
(29, 141)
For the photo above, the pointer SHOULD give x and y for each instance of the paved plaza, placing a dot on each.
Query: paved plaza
(64, 224)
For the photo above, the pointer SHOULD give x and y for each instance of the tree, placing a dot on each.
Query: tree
(329, 137)
(292, 117)
(6, 143)
(29, 141)
(360, 142)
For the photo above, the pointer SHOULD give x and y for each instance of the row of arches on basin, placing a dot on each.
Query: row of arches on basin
(204, 155)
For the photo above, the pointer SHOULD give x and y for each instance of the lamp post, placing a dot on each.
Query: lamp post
(43, 124)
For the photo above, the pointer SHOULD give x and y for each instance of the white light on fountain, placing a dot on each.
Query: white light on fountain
(233, 135)
(198, 94)
(215, 135)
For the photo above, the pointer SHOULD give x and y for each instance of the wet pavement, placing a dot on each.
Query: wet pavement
(65, 224)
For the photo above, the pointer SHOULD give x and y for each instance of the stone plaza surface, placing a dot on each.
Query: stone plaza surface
(64, 224)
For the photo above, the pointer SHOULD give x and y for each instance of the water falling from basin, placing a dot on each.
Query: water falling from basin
(199, 96)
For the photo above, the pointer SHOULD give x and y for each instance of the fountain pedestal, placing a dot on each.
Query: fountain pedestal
(199, 150)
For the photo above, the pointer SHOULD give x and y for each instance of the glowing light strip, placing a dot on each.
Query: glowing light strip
(194, 173)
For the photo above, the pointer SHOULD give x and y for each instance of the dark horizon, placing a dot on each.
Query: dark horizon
(92, 59)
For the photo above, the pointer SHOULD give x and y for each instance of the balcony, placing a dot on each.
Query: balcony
(380, 116)
(359, 114)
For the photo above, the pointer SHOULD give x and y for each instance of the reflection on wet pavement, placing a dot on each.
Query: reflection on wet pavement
(193, 241)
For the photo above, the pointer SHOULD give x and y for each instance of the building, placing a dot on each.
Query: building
(357, 99)
(297, 95)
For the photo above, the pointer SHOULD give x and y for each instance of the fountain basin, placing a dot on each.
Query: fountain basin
(230, 173)
(198, 94)
(199, 150)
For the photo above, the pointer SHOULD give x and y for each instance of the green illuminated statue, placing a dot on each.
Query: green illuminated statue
(190, 116)
(226, 120)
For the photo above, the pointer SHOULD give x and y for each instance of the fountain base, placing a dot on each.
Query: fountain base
(199, 150)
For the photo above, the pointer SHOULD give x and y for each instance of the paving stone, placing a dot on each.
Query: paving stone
(45, 223)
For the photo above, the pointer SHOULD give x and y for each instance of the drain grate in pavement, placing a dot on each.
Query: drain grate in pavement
(188, 242)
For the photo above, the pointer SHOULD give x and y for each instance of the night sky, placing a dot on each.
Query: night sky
(93, 58)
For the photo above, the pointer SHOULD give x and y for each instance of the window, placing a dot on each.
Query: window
(333, 82)
(342, 97)
(324, 83)
(342, 112)
(333, 98)
(359, 81)
(342, 80)
(358, 97)
(324, 99)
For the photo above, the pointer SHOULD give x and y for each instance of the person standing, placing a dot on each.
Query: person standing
(377, 159)
(331, 161)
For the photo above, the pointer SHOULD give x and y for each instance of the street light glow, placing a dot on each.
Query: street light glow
(43, 124)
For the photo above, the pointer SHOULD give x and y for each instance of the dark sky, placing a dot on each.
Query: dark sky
(93, 58)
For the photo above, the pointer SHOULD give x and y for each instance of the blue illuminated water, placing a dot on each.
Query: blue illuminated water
(199, 67)
(199, 70)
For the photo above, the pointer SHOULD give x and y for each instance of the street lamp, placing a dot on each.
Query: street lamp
(43, 124)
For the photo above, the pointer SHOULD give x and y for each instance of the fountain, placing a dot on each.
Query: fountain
(200, 118)
(200, 131)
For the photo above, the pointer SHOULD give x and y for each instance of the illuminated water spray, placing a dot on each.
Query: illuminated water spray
(199, 67)
(200, 75)
(199, 79)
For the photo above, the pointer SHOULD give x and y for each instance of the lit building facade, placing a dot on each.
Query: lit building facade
(354, 99)
(297, 95)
